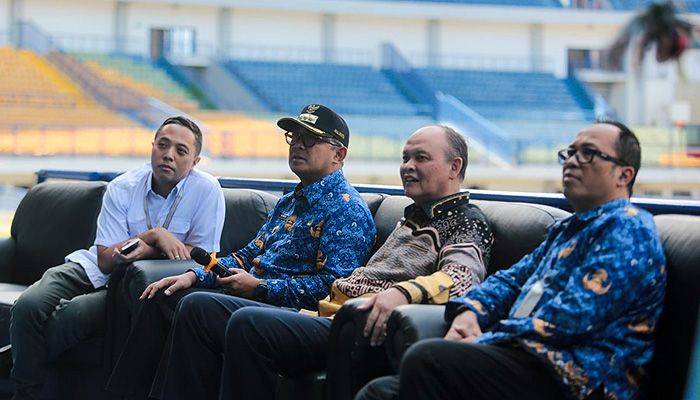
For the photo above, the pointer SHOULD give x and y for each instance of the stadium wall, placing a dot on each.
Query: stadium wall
(453, 34)
(254, 30)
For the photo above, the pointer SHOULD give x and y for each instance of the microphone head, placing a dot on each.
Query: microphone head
(200, 256)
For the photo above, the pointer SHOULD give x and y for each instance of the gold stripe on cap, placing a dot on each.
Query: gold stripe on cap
(308, 118)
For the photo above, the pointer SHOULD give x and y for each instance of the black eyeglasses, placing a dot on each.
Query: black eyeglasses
(307, 139)
(585, 155)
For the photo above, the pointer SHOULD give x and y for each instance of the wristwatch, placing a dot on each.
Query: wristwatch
(260, 292)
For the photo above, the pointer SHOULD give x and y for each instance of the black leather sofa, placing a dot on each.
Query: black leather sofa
(56, 218)
(680, 235)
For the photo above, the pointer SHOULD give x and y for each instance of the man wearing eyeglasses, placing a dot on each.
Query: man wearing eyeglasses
(573, 319)
(316, 234)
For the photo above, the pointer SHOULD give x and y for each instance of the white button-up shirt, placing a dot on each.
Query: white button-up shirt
(198, 218)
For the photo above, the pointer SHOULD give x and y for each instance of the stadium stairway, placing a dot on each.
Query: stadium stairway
(141, 76)
(223, 89)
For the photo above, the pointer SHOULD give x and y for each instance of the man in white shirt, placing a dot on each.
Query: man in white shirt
(163, 209)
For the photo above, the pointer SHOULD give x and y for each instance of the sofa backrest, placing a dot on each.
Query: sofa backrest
(518, 228)
(246, 212)
(52, 220)
(675, 334)
(388, 214)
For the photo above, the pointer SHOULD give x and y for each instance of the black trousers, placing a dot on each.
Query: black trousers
(137, 351)
(227, 347)
(441, 369)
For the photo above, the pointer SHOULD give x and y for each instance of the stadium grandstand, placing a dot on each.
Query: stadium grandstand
(518, 77)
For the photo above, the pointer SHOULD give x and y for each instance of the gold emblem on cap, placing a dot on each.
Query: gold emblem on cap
(312, 108)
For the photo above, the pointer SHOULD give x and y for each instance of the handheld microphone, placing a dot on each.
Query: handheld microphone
(209, 262)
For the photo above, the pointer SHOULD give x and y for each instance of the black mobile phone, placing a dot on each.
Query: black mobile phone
(129, 246)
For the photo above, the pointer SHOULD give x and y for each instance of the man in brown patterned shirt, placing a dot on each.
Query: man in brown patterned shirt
(438, 250)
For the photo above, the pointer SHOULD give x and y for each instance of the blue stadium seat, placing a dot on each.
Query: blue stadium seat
(348, 89)
(512, 95)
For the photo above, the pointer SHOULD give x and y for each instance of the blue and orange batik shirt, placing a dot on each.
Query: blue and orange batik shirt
(602, 274)
(313, 236)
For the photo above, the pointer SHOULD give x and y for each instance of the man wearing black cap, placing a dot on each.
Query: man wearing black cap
(320, 232)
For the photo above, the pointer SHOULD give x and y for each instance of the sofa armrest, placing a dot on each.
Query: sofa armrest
(129, 281)
(7, 258)
(351, 362)
(411, 323)
(149, 271)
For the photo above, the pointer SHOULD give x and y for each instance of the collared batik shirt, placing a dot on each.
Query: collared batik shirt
(603, 276)
(437, 251)
(313, 236)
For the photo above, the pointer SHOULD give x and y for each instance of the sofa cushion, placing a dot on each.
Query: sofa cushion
(518, 228)
(246, 212)
(52, 220)
(680, 236)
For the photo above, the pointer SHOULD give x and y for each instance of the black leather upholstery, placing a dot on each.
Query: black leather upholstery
(518, 228)
(386, 217)
(680, 235)
(246, 211)
(52, 220)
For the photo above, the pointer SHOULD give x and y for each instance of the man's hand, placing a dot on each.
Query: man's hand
(138, 253)
(168, 244)
(241, 283)
(172, 283)
(382, 304)
(465, 328)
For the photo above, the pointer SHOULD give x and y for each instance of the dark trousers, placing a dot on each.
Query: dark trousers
(137, 355)
(227, 347)
(51, 316)
(441, 369)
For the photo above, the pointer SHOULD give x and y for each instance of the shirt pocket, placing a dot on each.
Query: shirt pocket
(136, 226)
(179, 227)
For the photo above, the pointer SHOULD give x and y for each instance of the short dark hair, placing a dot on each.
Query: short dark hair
(457, 147)
(628, 149)
(189, 124)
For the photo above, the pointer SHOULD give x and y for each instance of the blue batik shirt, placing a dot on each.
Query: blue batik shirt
(313, 236)
(604, 279)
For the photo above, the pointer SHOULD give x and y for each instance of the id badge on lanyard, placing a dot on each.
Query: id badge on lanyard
(171, 212)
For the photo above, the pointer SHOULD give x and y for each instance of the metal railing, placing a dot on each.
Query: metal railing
(654, 206)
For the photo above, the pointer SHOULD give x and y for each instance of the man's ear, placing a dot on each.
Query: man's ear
(625, 177)
(341, 153)
(196, 160)
(455, 167)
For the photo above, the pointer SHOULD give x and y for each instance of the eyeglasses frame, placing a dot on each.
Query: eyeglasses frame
(289, 138)
(563, 155)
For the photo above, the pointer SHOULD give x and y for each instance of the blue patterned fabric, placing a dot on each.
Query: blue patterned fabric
(312, 237)
(604, 281)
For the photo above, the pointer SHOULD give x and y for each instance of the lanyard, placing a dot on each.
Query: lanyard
(169, 217)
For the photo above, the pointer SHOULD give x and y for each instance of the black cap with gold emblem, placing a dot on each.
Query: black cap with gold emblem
(319, 120)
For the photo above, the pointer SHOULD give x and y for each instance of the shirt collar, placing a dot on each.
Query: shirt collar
(315, 191)
(602, 209)
(177, 189)
(440, 205)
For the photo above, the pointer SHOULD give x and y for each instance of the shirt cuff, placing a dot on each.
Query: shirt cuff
(204, 279)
